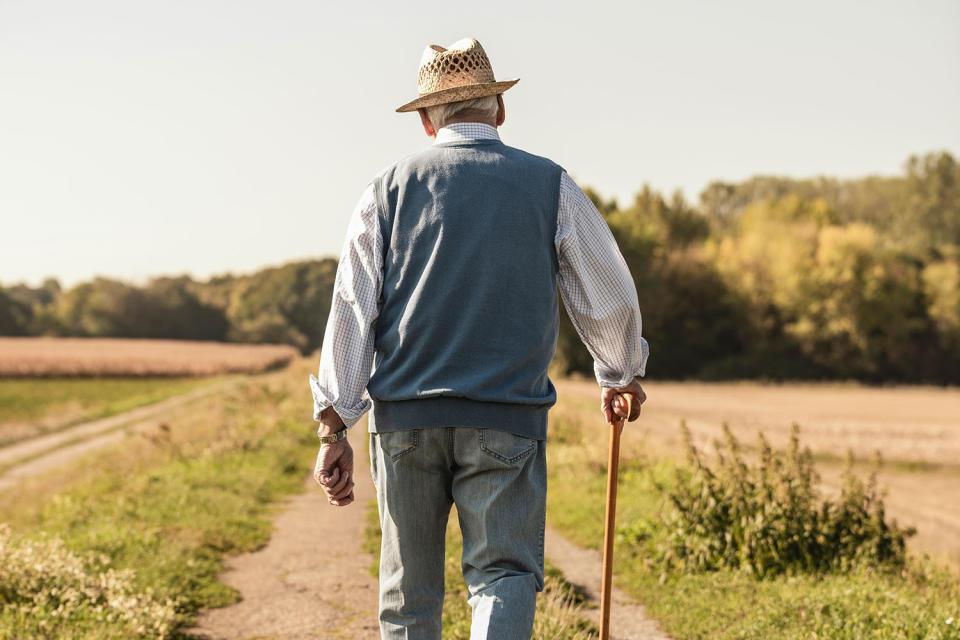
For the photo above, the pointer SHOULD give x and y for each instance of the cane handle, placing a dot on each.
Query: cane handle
(618, 420)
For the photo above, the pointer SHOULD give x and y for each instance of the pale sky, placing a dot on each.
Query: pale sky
(192, 136)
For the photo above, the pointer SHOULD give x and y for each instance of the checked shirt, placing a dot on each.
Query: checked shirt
(595, 286)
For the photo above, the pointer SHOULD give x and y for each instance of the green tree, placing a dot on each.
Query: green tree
(688, 314)
(15, 316)
(288, 303)
(931, 216)
(172, 309)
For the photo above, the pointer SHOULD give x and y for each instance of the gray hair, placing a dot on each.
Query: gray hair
(441, 114)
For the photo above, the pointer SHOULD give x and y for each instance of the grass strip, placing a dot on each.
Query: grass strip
(53, 404)
(64, 441)
(163, 510)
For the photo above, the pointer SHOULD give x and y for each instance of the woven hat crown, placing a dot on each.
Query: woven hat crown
(464, 63)
(459, 72)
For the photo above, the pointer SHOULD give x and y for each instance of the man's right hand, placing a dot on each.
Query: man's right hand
(334, 467)
(334, 472)
(612, 403)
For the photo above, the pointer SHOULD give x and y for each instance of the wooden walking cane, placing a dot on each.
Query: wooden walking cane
(609, 529)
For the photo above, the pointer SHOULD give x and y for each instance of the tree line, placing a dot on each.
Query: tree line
(798, 279)
(772, 277)
(283, 305)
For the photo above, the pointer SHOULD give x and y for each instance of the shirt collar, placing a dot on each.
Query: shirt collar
(461, 131)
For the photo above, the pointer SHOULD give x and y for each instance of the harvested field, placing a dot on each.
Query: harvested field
(47, 357)
(914, 425)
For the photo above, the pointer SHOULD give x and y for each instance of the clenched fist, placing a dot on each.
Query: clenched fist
(334, 468)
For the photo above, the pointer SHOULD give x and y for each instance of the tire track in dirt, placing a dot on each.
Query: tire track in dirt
(29, 458)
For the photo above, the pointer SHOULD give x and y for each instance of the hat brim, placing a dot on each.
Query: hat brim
(456, 94)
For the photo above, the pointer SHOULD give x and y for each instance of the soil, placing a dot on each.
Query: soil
(311, 581)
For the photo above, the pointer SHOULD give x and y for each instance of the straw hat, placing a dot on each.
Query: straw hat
(460, 72)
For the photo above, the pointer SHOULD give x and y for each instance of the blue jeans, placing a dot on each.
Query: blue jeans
(499, 483)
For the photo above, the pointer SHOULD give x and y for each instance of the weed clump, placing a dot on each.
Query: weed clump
(768, 519)
(48, 591)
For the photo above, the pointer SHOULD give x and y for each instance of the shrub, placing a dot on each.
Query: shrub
(769, 519)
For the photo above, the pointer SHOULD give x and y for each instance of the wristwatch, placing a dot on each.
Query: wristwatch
(333, 437)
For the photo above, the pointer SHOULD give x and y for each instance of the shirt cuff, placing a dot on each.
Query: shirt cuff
(607, 379)
(349, 415)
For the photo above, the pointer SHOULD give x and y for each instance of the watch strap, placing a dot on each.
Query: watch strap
(333, 437)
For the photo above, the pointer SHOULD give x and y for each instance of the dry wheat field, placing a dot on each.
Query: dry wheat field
(49, 357)
(906, 423)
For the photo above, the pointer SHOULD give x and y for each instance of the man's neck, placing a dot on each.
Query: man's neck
(489, 121)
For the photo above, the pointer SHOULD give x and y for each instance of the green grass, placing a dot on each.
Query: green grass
(920, 602)
(559, 607)
(852, 606)
(61, 402)
(168, 507)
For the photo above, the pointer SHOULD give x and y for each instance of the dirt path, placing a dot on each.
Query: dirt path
(38, 455)
(310, 582)
(583, 568)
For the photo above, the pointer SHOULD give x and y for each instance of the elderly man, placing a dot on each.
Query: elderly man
(447, 288)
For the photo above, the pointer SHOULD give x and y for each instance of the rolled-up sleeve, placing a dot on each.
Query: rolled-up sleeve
(346, 357)
(597, 289)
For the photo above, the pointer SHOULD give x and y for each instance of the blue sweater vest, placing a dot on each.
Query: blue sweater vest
(468, 317)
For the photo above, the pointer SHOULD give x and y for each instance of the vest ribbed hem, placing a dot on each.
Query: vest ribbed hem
(529, 421)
